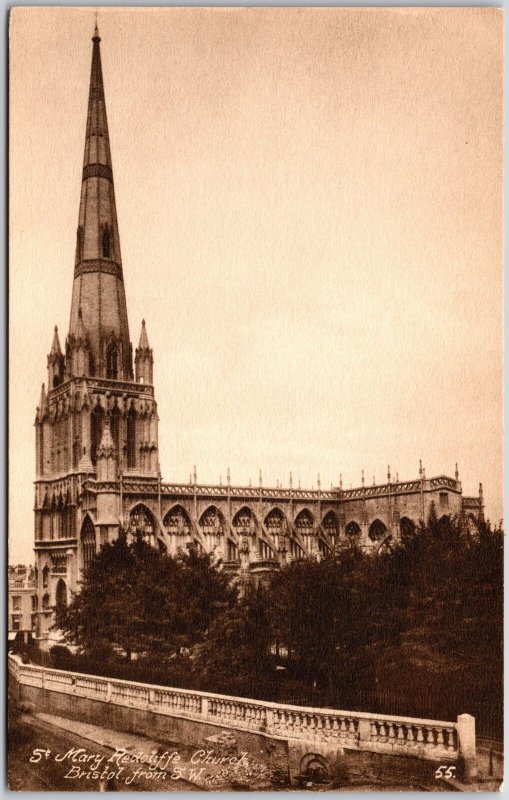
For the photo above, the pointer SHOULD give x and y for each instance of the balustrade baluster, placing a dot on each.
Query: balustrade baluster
(420, 737)
(410, 736)
(401, 735)
(374, 731)
(440, 737)
(450, 740)
(383, 732)
(430, 738)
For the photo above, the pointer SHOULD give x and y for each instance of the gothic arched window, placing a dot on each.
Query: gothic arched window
(115, 427)
(131, 438)
(112, 362)
(45, 577)
(96, 432)
(88, 541)
(106, 240)
(61, 593)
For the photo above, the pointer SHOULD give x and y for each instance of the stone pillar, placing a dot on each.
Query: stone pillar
(466, 746)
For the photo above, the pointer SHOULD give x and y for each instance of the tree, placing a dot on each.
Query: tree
(139, 599)
(317, 610)
(234, 655)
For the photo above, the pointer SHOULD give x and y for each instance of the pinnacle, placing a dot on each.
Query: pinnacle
(143, 344)
(42, 400)
(80, 328)
(55, 347)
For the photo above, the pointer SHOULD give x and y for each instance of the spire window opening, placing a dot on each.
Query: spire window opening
(112, 362)
(79, 243)
(106, 240)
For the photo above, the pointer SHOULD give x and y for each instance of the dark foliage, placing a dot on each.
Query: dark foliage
(135, 599)
(413, 630)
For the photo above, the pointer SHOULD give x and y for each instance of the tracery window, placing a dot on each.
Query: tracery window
(244, 522)
(274, 522)
(377, 530)
(304, 523)
(140, 519)
(330, 525)
(176, 522)
(88, 542)
(211, 522)
(353, 530)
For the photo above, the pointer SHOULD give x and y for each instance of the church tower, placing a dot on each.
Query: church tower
(96, 422)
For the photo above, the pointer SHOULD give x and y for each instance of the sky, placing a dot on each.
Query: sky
(310, 216)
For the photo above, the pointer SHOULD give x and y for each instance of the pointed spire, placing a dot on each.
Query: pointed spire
(104, 316)
(456, 473)
(55, 346)
(260, 478)
(143, 343)
(362, 478)
(228, 476)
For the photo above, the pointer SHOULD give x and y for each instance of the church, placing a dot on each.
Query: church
(97, 459)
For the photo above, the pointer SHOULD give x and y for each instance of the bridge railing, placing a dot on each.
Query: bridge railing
(428, 739)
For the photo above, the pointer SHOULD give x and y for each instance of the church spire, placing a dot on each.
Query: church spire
(98, 279)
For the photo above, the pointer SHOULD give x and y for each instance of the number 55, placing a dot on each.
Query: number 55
(445, 772)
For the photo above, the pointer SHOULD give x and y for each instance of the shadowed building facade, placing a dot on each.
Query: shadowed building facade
(97, 460)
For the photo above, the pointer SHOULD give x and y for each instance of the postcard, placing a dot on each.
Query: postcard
(255, 399)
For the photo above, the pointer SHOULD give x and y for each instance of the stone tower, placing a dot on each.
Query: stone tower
(97, 421)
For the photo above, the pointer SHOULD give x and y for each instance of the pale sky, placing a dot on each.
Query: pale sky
(310, 215)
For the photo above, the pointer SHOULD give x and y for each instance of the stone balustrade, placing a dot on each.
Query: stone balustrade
(427, 739)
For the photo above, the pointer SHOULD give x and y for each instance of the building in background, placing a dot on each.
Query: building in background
(97, 441)
(23, 601)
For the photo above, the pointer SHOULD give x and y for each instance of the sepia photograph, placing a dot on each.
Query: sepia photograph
(255, 389)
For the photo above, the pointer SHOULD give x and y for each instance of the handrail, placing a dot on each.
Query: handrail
(424, 738)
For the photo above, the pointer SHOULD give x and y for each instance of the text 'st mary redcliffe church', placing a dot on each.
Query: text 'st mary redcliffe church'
(97, 442)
